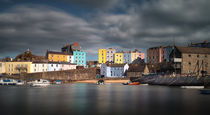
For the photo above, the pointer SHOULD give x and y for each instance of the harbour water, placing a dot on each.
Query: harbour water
(91, 99)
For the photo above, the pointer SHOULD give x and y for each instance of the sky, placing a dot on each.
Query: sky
(133, 24)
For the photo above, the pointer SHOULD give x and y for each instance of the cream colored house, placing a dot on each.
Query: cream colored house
(17, 67)
(2, 67)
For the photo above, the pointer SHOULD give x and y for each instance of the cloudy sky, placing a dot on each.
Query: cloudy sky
(49, 24)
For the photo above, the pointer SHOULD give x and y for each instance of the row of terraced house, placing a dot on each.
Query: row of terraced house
(70, 57)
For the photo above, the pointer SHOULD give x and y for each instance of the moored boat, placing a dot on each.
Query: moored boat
(205, 91)
(7, 82)
(100, 82)
(40, 83)
(132, 83)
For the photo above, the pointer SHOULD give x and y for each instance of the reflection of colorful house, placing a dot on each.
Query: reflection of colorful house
(102, 56)
(17, 67)
(80, 58)
(118, 58)
(127, 57)
(136, 54)
(59, 56)
(114, 70)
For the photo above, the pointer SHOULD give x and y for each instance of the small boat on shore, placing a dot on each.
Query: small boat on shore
(132, 83)
(7, 82)
(205, 91)
(40, 83)
(100, 82)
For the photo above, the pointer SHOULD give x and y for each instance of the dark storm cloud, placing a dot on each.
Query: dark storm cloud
(141, 25)
(41, 27)
(95, 4)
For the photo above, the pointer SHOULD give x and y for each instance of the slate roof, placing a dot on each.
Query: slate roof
(55, 52)
(193, 50)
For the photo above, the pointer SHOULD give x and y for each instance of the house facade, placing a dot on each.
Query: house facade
(54, 66)
(136, 54)
(2, 67)
(53, 56)
(17, 67)
(190, 60)
(39, 67)
(156, 55)
(79, 58)
(118, 58)
(127, 57)
(102, 56)
(114, 70)
(110, 55)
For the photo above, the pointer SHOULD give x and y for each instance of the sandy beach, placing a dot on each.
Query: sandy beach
(106, 81)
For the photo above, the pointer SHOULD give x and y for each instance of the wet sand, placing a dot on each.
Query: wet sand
(106, 81)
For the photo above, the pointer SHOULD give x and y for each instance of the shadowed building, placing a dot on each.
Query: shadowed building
(71, 47)
(193, 60)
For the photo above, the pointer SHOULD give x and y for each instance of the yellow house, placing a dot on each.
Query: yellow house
(17, 67)
(118, 58)
(102, 56)
(58, 56)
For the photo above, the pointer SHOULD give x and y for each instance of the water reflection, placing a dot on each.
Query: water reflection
(102, 99)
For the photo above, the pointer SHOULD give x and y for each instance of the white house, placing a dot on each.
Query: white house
(53, 66)
(68, 66)
(70, 58)
(39, 67)
(114, 70)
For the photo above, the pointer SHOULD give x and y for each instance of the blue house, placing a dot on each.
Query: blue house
(127, 57)
(114, 70)
(80, 58)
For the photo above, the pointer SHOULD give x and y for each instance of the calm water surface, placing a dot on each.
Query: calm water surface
(113, 99)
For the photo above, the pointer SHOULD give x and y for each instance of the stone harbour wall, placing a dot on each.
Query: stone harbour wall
(67, 75)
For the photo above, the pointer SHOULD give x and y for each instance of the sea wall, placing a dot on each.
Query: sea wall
(134, 74)
(67, 75)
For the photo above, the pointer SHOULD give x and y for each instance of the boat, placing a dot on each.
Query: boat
(100, 82)
(132, 83)
(7, 82)
(58, 82)
(192, 87)
(40, 82)
(19, 82)
(205, 91)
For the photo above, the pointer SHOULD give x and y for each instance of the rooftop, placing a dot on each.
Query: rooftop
(193, 50)
(55, 52)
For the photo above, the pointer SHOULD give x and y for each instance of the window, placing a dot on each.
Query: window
(189, 63)
(34, 69)
(198, 56)
(206, 56)
(56, 65)
(35, 65)
(189, 55)
(42, 65)
(51, 65)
